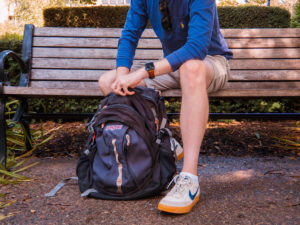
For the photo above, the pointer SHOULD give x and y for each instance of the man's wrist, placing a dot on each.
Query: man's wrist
(144, 73)
(122, 71)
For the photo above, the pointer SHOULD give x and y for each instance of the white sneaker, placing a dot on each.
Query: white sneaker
(176, 148)
(182, 197)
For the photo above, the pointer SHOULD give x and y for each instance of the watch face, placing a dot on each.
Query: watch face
(149, 66)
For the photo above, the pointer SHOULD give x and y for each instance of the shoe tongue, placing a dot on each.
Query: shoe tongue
(184, 178)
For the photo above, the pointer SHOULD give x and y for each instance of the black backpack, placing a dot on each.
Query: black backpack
(128, 153)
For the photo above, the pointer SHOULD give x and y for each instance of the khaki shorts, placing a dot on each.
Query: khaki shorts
(172, 80)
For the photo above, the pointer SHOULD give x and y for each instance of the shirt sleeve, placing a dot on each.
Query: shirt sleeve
(135, 24)
(202, 13)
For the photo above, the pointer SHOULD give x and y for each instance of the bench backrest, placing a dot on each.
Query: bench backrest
(72, 58)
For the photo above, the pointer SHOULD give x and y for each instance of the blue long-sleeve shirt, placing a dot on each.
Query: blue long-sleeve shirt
(195, 31)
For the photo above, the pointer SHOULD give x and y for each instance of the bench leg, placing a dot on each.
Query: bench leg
(2, 132)
(25, 124)
(28, 140)
(18, 117)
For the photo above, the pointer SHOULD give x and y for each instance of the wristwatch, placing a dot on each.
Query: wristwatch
(150, 69)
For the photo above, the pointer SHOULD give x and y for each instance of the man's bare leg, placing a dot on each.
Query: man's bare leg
(195, 77)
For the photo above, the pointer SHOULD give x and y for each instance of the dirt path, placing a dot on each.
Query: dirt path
(234, 190)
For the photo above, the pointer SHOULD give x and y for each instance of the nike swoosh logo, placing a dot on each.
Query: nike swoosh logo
(192, 196)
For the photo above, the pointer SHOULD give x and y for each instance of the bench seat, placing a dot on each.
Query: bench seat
(256, 92)
(68, 61)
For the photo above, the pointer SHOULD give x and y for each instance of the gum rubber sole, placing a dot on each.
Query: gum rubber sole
(178, 210)
(180, 156)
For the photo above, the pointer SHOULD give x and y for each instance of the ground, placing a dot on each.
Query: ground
(234, 138)
(245, 178)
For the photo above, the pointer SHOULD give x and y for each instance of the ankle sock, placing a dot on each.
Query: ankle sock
(192, 176)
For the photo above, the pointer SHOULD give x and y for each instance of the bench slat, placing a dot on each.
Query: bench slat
(85, 32)
(260, 32)
(90, 42)
(260, 75)
(246, 93)
(231, 85)
(57, 74)
(73, 63)
(92, 53)
(155, 43)
(156, 53)
(35, 92)
(264, 43)
(53, 74)
(265, 64)
(116, 32)
(293, 64)
(262, 53)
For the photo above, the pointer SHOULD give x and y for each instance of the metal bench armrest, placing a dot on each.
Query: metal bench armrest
(4, 79)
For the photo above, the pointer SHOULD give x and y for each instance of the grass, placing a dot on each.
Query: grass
(17, 155)
(290, 143)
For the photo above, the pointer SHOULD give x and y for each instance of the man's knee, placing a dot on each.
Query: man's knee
(102, 81)
(193, 73)
(105, 81)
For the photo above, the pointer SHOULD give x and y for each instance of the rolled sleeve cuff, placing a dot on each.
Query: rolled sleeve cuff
(177, 58)
(123, 63)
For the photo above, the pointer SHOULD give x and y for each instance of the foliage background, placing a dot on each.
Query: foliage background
(295, 22)
(108, 16)
(31, 11)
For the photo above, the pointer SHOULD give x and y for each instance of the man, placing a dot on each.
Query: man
(195, 59)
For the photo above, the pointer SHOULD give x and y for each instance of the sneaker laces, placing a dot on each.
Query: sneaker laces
(180, 185)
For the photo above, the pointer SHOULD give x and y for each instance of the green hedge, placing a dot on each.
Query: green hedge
(11, 42)
(296, 16)
(52, 105)
(254, 17)
(107, 16)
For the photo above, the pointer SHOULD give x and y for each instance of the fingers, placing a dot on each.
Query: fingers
(121, 84)
(116, 87)
(121, 89)
(126, 91)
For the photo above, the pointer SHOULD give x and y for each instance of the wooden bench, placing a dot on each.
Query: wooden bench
(67, 62)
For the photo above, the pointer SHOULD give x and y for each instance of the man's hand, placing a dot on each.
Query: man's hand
(121, 71)
(124, 81)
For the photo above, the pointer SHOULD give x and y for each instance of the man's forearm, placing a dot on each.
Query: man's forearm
(162, 67)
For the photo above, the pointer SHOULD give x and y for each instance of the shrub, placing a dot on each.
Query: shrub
(253, 17)
(11, 42)
(108, 16)
(295, 22)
